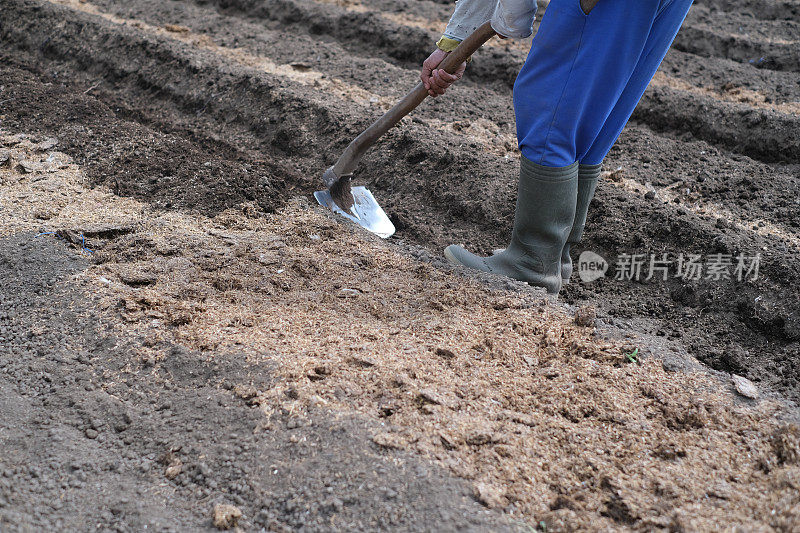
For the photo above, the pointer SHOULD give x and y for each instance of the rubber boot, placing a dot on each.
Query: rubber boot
(542, 222)
(587, 183)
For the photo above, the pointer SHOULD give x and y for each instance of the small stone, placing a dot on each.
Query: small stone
(176, 28)
(488, 495)
(585, 316)
(269, 258)
(248, 394)
(172, 471)
(504, 451)
(616, 175)
(91, 433)
(387, 406)
(524, 419)
(449, 441)
(313, 376)
(720, 490)
(43, 213)
(650, 195)
(226, 516)
(430, 396)
(669, 451)
(70, 236)
(550, 372)
(46, 144)
(27, 166)
(479, 437)
(135, 276)
(291, 393)
(363, 362)
(744, 386)
(389, 440)
(531, 360)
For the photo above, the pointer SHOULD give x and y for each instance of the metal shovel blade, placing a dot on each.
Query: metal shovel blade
(365, 212)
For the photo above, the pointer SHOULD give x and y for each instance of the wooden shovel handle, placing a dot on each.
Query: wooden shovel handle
(356, 149)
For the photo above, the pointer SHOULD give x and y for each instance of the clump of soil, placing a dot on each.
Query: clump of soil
(226, 516)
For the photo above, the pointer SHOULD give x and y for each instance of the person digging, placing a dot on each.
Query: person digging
(589, 64)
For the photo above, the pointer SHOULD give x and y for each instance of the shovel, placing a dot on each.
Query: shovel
(357, 203)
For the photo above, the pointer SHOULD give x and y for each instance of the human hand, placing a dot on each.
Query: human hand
(436, 80)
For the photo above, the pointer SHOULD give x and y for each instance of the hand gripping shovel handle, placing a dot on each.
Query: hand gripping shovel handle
(356, 149)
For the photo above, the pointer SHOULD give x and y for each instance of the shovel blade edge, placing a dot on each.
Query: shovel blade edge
(366, 211)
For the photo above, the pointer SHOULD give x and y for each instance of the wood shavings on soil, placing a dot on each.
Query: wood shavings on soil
(549, 423)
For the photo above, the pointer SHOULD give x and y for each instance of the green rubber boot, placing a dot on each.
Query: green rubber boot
(587, 183)
(542, 222)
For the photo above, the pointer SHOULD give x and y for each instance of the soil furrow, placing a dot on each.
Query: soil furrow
(760, 9)
(699, 109)
(771, 140)
(772, 44)
(711, 73)
(765, 44)
(708, 42)
(728, 78)
(757, 320)
(708, 188)
(250, 110)
(735, 24)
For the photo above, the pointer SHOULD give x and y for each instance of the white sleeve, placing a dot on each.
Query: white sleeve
(468, 15)
(514, 18)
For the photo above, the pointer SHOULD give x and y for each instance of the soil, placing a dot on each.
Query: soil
(390, 388)
(98, 435)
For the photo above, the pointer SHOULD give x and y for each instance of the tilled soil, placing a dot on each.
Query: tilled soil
(202, 106)
(98, 434)
(298, 369)
(286, 84)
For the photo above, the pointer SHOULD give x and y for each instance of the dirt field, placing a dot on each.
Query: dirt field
(181, 328)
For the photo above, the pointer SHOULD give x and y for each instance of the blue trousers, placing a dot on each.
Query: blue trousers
(585, 74)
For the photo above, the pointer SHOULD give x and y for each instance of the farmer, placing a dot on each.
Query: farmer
(589, 65)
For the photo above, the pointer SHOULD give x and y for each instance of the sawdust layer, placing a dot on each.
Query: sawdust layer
(546, 420)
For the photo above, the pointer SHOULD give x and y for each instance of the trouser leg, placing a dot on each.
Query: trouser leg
(581, 81)
(578, 67)
(663, 31)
